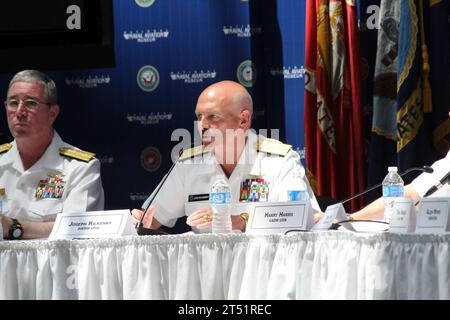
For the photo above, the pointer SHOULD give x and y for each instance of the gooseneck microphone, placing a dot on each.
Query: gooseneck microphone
(426, 169)
(438, 185)
(140, 226)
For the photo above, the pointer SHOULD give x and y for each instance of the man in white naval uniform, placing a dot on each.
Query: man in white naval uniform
(40, 174)
(230, 148)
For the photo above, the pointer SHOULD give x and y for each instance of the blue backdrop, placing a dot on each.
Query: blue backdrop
(167, 52)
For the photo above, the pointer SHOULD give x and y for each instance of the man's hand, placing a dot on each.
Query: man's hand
(136, 215)
(200, 218)
(318, 216)
(6, 224)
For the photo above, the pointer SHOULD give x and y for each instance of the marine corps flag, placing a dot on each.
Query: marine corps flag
(333, 121)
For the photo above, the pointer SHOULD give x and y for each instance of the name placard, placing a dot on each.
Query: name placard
(433, 215)
(279, 217)
(403, 218)
(333, 212)
(94, 224)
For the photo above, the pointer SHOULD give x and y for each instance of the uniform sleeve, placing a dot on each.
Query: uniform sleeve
(426, 180)
(85, 191)
(290, 161)
(169, 202)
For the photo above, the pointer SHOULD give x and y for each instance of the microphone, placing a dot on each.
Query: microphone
(438, 185)
(140, 226)
(426, 169)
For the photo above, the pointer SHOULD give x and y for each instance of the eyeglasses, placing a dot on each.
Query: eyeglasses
(29, 104)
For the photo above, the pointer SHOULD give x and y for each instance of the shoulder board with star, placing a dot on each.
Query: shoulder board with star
(192, 152)
(5, 147)
(275, 147)
(76, 154)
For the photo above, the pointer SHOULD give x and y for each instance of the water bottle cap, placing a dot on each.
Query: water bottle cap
(392, 169)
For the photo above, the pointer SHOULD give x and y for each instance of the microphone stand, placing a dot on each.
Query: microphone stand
(140, 226)
(438, 185)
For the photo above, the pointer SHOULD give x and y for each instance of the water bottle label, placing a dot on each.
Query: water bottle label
(220, 197)
(392, 191)
(297, 195)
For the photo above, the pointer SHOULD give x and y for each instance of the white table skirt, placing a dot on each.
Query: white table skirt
(325, 265)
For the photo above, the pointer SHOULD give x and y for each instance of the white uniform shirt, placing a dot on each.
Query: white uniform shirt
(82, 191)
(426, 180)
(194, 177)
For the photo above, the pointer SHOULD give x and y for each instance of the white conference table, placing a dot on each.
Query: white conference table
(319, 265)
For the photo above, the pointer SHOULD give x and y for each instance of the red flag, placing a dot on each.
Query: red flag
(333, 121)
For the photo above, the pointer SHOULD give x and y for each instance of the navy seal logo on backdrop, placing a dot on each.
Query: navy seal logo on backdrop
(144, 3)
(246, 73)
(148, 78)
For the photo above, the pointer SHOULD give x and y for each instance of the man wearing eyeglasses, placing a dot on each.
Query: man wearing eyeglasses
(40, 174)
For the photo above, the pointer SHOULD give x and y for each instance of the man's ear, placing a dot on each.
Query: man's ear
(54, 112)
(244, 121)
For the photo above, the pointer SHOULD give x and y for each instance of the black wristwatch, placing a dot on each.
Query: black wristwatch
(15, 231)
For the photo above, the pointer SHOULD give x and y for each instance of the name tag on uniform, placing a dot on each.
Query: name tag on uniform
(279, 217)
(198, 197)
(94, 224)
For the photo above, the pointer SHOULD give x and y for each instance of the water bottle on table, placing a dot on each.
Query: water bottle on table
(220, 199)
(393, 187)
(296, 188)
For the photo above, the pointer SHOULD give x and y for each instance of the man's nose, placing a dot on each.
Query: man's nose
(21, 109)
(204, 124)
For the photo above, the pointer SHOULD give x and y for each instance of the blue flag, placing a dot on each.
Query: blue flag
(383, 141)
(414, 93)
(440, 73)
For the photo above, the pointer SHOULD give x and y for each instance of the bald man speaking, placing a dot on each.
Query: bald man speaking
(229, 148)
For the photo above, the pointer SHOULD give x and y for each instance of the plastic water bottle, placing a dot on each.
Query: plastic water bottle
(220, 199)
(296, 189)
(393, 187)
